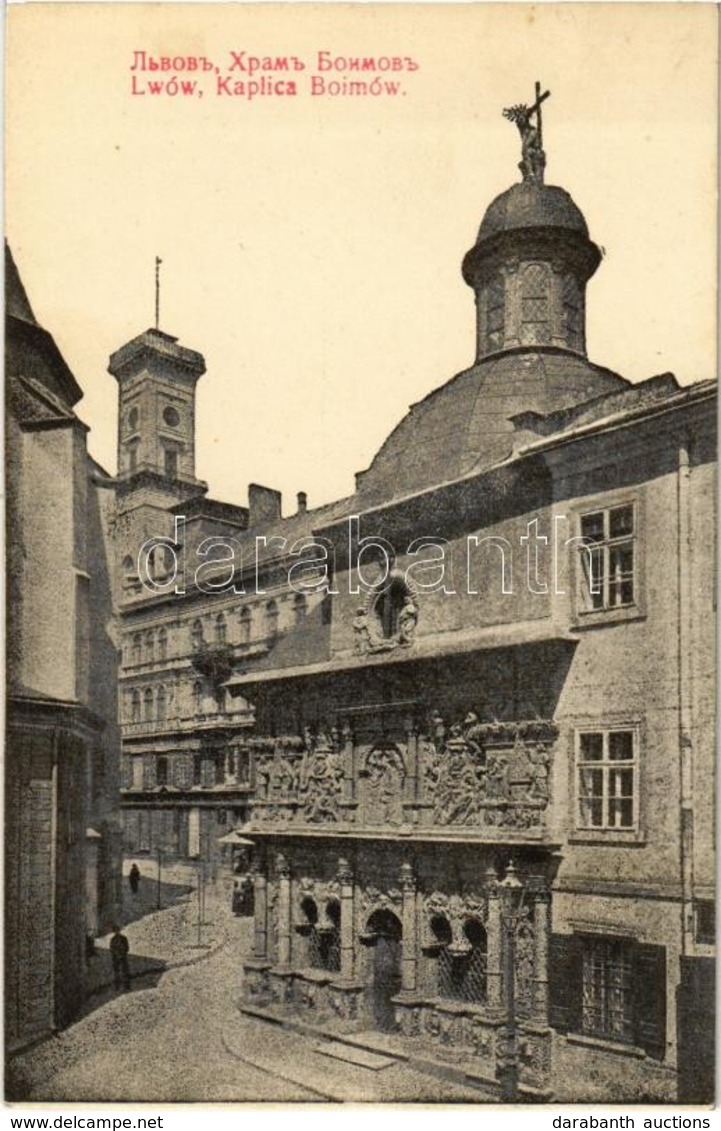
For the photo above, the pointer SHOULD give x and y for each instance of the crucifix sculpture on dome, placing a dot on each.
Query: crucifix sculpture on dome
(533, 158)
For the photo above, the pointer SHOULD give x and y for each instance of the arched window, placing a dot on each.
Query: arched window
(162, 644)
(198, 697)
(461, 965)
(573, 312)
(161, 705)
(150, 646)
(196, 634)
(496, 312)
(148, 705)
(128, 566)
(394, 606)
(245, 620)
(299, 605)
(221, 630)
(137, 650)
(170, 462)
(135, 706)
(328, 934)
(323, 935)
(271, 619)
(535, 323)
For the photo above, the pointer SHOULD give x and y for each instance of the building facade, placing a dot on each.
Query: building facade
(62, 832)
(467, 714)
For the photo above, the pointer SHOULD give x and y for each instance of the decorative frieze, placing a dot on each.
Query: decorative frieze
(487, 776)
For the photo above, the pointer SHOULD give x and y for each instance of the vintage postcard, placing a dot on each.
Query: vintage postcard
(361, 561)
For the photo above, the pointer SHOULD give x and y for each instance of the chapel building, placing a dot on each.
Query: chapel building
(482, 810)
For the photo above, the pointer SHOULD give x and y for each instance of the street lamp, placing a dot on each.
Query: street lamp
(511, 906)
(160, 865)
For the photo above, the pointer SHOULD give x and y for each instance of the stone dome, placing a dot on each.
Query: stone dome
(466, 425)
(529, 205)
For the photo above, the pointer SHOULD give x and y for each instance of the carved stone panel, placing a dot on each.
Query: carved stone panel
(381, 779)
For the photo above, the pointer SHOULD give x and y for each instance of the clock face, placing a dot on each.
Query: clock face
(171, 416)
(133, 418)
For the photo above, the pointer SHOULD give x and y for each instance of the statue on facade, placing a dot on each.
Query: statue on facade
(362, 632)
(533, 157)
(407, 620)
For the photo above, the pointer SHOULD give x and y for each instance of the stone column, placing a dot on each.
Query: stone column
(411, 783)
(542, 927)
(348, 748)
(283, 871)
(345, 877)
(261, 915)
(409, 956)
(494, 937)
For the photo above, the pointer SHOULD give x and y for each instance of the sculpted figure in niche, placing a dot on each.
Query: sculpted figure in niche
(539, 759)
(407, 620)
(362, 632)
(286, 778)
(385, 772)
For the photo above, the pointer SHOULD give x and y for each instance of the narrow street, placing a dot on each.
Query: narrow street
(178, 1035)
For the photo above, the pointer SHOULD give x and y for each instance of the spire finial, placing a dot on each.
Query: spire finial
(533, 158)
(158, 261)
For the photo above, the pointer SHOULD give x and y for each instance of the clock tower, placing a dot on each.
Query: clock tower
(156, 420)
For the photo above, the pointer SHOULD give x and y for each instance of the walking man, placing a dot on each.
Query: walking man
(134, 878)
(119, 949)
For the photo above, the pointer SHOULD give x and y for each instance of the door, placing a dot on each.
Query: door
(386, 967)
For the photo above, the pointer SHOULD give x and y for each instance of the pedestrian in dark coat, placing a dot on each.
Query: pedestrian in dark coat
(119, 950)
(134, 878)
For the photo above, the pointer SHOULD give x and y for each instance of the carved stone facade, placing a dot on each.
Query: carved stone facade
(387, 938)
(485, 776)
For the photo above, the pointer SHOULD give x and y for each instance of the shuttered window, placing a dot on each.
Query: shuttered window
(611, 988)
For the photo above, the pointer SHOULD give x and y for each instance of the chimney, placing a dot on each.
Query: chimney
(302, 502)
(263, 504)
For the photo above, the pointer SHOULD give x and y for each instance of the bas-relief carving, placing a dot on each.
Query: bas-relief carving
(372, 898)
(472, 774)
(486, 774)
(525, 962)
(321, 782)
(381, 786)
(456, 909)
(298, 773)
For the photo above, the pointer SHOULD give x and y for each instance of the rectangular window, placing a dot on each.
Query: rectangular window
(705, 921)
(607, 1009)
(607, 779)
(197, 769)
(137, 778)
(608, 558)
(171, 463)
(161, 771)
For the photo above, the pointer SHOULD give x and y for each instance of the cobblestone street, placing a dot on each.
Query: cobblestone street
(178, 1036)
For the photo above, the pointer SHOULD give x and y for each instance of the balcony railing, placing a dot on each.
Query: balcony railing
(201, 720)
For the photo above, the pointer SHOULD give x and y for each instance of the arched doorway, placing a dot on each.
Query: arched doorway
(386, 928)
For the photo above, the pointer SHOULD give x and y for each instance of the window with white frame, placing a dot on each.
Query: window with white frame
(607, 778)
(609, 558)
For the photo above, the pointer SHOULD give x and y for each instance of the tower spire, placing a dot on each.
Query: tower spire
(158, 261)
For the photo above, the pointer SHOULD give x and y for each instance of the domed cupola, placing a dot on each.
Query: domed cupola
(532, 258)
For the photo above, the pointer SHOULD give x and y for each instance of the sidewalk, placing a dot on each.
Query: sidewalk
(172, 935)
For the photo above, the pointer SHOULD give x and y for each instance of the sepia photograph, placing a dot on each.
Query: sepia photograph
(360, 570)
